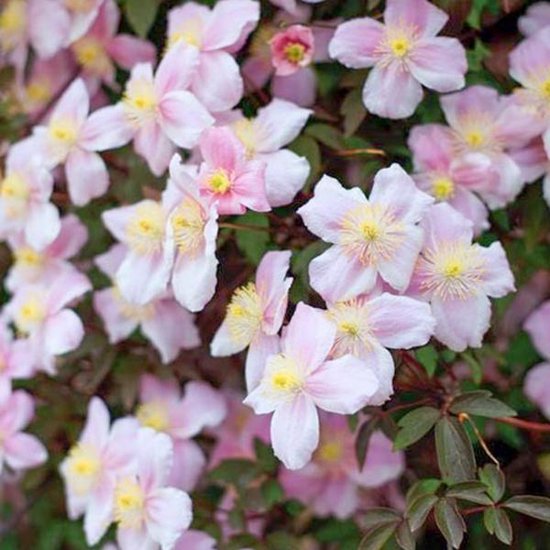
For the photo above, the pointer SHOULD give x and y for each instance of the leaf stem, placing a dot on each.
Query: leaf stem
(525, 424)
(244, 227)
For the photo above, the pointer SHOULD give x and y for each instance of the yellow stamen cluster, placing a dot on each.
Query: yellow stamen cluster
(294, 52)
(187, 223)
(129, 504)
(244, 314)
(219, 181)
(28, 257)
(145, 229)
(139, 101)
(83, 466)
(153, 415)
(443, 188)
(330, 452)
(283, 376)
(13, 19)
(91, 54)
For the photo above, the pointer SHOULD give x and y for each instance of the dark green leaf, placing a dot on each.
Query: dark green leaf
(362, 441)
(475, 367)
(480, 403)
(455, 454)
(353, 110)
(376, 538)
(489, 520)
(427, 356)
(494, 480)
(472, 491)
(534, 506)
(450, 522)
(419, 510)
(272, 492)
(415, 425)
(326, 134)
(235, 471)
(307, 147)
(141, 14)
(422, 487)
(281, 541)
(404, 537)
(252, 243)
(375, 517)
(503, 527)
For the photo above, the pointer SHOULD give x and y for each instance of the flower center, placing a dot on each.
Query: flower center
(475, 138)
(244, 314)
(129, 504)
(187, 224)
(28, 257)
(31, 313)
(13, 20)
(14, 187)
(153, 415)
(133, 311)
(145, 229)
(545, 89)
(63, 133)
(219, 181)
(400, 46)
(283, 377)
(38, 92)
(354, 331)
(294, 52)
(139, 101)
(443, 188)
(453, 269)
(90, 53)
(370, 230)
(330, 451)
(84, 465)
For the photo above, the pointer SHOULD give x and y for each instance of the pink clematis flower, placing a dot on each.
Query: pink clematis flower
(255, 315)
(144, 272)
(457, 277)
(537, 326)
(367, 325)
(100, 48)
(18, 450)
(536, 18)
(102, 455)
(39, 311)
(214, 35)
(168, 326)
(405, 54)
(163, 409)
(16, 357)
(190, 237)
(264, 138)
(227, 177)
(300, 378)
(25, 192)
(44, 266)
(371, 238)
(448, 178)
(485, 124)
(197, 540)
(148, 512)
(292, 49)
(331, 482)
(73, 138)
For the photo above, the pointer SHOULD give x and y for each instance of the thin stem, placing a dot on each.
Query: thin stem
(362, 151)
(245, 227)
(525, 424)
(464, 417)
(407, 405)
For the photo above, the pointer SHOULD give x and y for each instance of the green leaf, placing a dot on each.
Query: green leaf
(480, 403)
(279, 540)
(306, 146)
(265, 456)
(326, 134)
(375, 517)
(415, 425)
(450, 522)
(534, 506)
(478, 8)
(353, 111)
(494, 480)
(422, 487)
(404, 537)
(235, 471)
(272, 492)
(376, 538)
(335, 530)
(503, 527)
(475, 367)
(427, 356)
(455, 454)
(489, 520)
(472, 491)
(141, 15)
(363, 437)
(253, 244)
(419, 510)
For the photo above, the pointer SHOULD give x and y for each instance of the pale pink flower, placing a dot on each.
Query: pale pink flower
(25, 192)
(537, 326)
(292, 49)
(300, 378)
(483, 123)
(16, 357)
(227, 177)
(369, 324)
(72, 138)
(157, 111)
(44, 266)
(40, 312)
(255, 315)
(458, 277)
(214, 34)
(144, 272)
(146, 510)
(191, 234)
(405, 54)
(163, 408)
(371, 238)
(102, 455)
(195, 540)
(18, 450)
(536, 18)
(331, 482)
(264, 138)
(80, 13)
(168, 326)
(447, 177)
(292, 6)
(101, 47)
(536, 387)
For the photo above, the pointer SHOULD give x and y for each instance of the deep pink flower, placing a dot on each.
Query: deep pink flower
(255, 315)
(332, 481)
(214, 34)
(18, 450)
(163, 408)
(227, 177)
(371, 238)
(405, 54)
(458, 277)
(300, 378)
(292, 49)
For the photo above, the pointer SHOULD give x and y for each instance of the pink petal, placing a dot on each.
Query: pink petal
(498, 279)
(189, 464)
(154, 389)
(299, 88)
(42, 225)
(117, 325)
(285, 175)
(419, 14)
(106, 128)
(154, 457)
(342, 386)
(261, 347)
(443, 224)
(379, 361)
(96, 429)
(74, 104)
(48, 26)
(22, 451)
(116, 220)
(391, 92)
(87, 176)
(127, 50)
(355, 43)
(99, 510)
(223, 344)
(295, 431)
(71, 238)
(65, 289)
(197, 540)
(176, 70)
(221, 149)
(536, 18)
(477, 99)
(153, 145)
(63, 332)
(536, 326)
(432, 147)
(536, 387)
